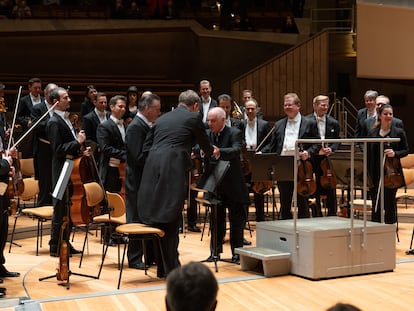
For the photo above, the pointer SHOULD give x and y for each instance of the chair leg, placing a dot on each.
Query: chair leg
(84, 244)
(12, 235)
(104, 251)
(122, 265)
(38, 236)
(207, 211)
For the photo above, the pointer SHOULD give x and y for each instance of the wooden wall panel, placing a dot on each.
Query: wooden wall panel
(302, 69)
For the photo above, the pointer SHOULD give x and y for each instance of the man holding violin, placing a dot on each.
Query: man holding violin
(287, 130)
(65, 143)
(328, 127)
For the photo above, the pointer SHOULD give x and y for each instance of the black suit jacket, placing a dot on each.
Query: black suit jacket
(111, 144)
(331, 130)
(134, 140)
(62, 142)
(213, 104)
(307, 129)
(163, 187)
(90, 124)
(368, 126)
(230, 143)
(25, 110)
(262, 131)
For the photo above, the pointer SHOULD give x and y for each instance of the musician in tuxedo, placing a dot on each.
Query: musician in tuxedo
(149, 107)
(206, 102)
(369, 123)
(256, 130)
(328, 127)
(91, 121)
(287, 130)
(65, 143)
(24, 111)
(232, 190)
(110, 135)
(225, 102)
(396, 150)
(368, 112)
(6, 169)
(42, 151)
(164, 183)
(246, 96)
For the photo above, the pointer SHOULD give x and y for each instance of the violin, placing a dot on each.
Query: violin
(393, 177)
(328, 178)
(62, 273)
(306, 182)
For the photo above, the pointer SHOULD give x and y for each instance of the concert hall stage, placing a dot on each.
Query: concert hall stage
(325, 248)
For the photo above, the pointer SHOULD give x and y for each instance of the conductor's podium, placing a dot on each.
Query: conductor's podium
(327, 248)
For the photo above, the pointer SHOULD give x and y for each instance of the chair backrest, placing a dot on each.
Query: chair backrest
(116, 204)
(408, 161)
(408, 176)
(27, 167)
(94, 193)
(31, 189)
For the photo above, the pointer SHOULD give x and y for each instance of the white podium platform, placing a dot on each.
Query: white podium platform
(322, 248)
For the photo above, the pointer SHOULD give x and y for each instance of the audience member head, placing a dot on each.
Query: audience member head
(117, 104)
(224, 102)
(35, 86)
(150, 106)
(205, 89)
(132, 95)
(189, 99)
(291, 105)
(321, 105)
(191, 287)
(215, 118)
(343, 307)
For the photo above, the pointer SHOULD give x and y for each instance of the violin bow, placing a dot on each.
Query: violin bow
(34, 126)
(264, 139)
(14, 117)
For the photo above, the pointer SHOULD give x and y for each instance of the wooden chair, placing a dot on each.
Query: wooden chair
(408, 161)
(41, 214)
(141, 232)
(115, 217)
(406, 193)
(27, 167)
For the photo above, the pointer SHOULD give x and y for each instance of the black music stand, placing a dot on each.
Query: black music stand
(61, 190)
(209, 184)
(272, 167)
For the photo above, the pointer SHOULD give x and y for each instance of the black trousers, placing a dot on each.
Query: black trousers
(4, 226)
(286, 194)
(43, 172)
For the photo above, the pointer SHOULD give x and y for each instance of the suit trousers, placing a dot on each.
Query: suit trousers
(286, 194)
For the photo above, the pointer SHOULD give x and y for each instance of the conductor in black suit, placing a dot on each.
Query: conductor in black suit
(111, 139)
(42, 151)
(232, 190)
(149, 107)
(65, 143)
(287, 130)
(328, 127)
(164, 182)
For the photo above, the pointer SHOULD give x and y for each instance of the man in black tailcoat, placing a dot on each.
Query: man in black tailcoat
(149, 107)
(164, 182)
(287, 130)
(42, 152)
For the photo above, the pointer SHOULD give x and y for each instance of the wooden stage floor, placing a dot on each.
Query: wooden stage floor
(238, 290)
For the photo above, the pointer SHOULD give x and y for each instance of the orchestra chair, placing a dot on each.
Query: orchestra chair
(116, 216)
(41, 214)
(27, 167)
(408, 161)
(141, 232)
(407, 192)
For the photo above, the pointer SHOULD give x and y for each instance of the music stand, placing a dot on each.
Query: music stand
(60, 190)
(209, 184)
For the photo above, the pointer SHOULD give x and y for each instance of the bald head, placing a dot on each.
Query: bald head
(216, 118)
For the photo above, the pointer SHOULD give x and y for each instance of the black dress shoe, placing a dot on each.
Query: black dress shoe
(54, 251)
(235, 258)
(139, 266)
(193, 228)
(211, 258)
(245, 242)
(4, 273)
(74, 251)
